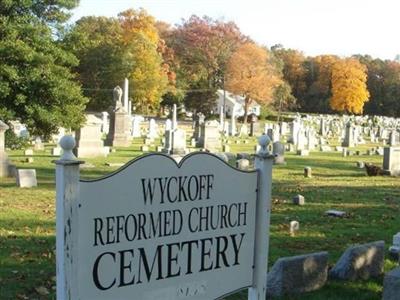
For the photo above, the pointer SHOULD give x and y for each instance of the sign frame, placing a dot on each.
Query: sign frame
(68, 205)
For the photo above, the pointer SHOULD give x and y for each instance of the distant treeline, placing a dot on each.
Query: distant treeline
(50, 72)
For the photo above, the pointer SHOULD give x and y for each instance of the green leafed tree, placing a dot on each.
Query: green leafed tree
(97, 43)
(36, 82)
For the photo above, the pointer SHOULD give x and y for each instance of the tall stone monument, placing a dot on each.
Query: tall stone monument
(120, 123)
(175, 138)
(349, 136)
(3, 154)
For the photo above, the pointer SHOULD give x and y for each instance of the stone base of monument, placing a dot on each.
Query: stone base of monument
(91, 150)
(119, 134)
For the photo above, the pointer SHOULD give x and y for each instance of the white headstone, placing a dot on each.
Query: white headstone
(26, 178)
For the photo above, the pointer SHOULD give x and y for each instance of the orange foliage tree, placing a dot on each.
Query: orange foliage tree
(148, 73)
(250, 73)
(349, 88)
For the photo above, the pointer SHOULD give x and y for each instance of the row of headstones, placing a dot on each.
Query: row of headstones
(309, 272)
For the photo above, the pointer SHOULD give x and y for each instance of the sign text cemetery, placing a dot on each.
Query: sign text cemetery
(156, 229)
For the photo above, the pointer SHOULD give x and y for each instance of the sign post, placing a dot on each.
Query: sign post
(263, 164)
(67, 193)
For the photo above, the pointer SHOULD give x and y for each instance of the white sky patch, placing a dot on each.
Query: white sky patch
(342, 27)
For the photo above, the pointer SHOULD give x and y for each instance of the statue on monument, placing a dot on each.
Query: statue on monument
(117, 97)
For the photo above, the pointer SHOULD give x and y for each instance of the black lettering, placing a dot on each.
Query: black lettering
(149, 191)
(236, 247)
(124, 267)
(144, 262)
(221, 252)
(182, 188)
(192, 229)
(210, 182)
(98, 226)
(127, 227)
(196, 189)
(142, 223)
(204, 254)
(169, 190)
(162, 187)
(120, 227)
(172, 259)
(189, 254)
(110, 228)
(95, 272)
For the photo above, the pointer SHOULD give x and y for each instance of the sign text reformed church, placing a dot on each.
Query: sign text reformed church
(158, 230)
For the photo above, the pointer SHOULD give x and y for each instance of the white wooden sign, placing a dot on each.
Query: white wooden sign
(156, 229)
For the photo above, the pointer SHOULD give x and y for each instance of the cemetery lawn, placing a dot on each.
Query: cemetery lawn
(27, 218)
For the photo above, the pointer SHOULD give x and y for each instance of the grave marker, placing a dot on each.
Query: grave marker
(26, 178)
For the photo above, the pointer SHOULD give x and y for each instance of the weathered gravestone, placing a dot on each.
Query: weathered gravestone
(211, 137)
(89, 138)
(157, 229)
(153, 129)
(298, 274)
(349, 136)
(26, 178)
(360, 262)
(38, 144)
(278, 149)
(391, 160)
(3, 155)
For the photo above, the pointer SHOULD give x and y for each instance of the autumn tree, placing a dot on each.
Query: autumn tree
(294, 71)
(147, 72)
(383, 85)
(318, 83)
(251, 74)
(203, 47)
(349, 89)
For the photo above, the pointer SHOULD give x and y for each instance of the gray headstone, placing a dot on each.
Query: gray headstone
(335, 213)
(299, 200)
(307, 172)
(26, 178)
(38, 144)
(360, 262)
(242, 164)
(119, 134)
(391, 285)
(89, 141)
(278, 150)
(297, 274)
(391, 160)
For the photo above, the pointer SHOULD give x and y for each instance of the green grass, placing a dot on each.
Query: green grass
(27, 218)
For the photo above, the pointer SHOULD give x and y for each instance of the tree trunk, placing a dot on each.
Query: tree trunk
(246, 109)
